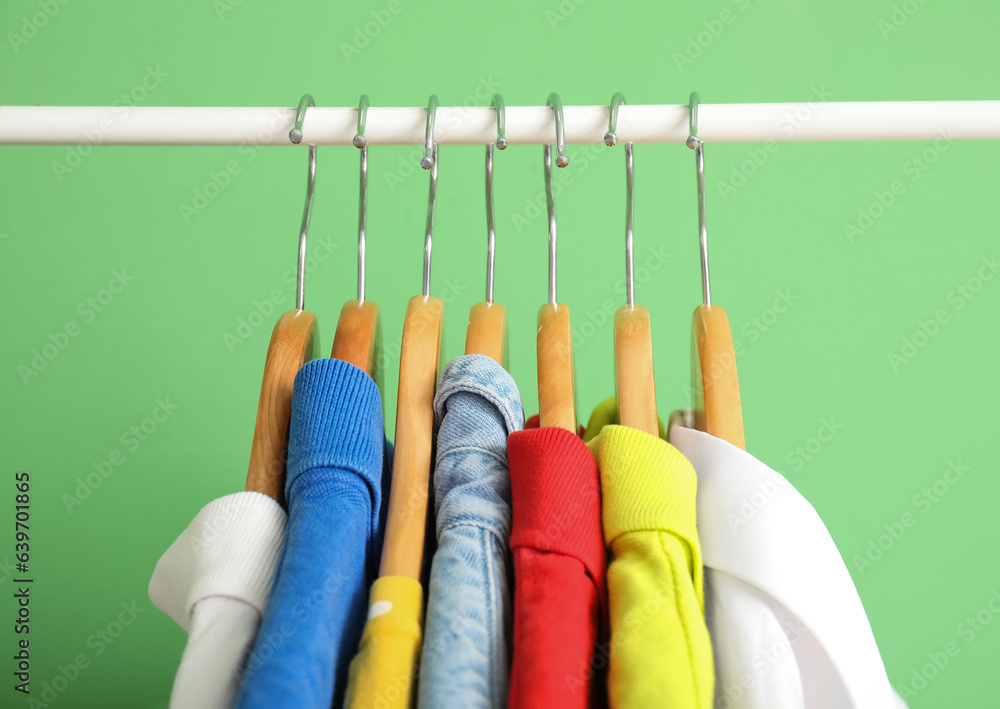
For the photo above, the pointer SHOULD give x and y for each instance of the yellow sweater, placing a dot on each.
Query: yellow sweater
(383, 674)
(660, 654)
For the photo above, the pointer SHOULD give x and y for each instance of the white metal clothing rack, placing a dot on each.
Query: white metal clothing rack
(817, 120)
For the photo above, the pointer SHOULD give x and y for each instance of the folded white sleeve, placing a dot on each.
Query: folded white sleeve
(788, 627)
(214, 581)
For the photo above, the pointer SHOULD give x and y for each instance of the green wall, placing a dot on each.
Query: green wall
(74, 219)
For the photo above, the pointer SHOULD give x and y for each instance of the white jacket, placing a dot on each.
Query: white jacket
(788, 628)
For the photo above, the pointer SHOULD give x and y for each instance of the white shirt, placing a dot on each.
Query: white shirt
(214, 581)
(788, 628)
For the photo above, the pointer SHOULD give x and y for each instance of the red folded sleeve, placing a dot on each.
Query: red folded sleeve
(532, 422)
(560, 602)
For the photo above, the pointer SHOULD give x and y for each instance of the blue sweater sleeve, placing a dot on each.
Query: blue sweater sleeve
(464, 660)
(316, 611)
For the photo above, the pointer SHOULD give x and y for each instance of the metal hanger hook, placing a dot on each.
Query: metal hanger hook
(501, 143)
(693, 141)
(429, 233)
(430, 162)
(629, 211)
(295, 136)
(550, 200)
(430, 149)
(611, 137)
(497, 104)
(555, 103)
(698, 145)
(360, 141)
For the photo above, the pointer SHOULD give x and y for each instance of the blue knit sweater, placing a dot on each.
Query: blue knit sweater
(337, 465)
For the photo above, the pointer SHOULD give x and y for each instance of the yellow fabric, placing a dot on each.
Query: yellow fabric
(606, 414)
(383, 673)
(660, 650)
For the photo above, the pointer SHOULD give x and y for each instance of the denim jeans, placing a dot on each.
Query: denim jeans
(465, 656)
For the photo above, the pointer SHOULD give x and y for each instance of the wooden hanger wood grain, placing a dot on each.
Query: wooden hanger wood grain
(294, 341)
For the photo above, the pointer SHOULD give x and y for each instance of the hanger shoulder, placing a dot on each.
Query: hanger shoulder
(634, 381)
(403, 550)
(556, 394)
(716, 386)
(487, 333)
(358, 339)
(294, 341)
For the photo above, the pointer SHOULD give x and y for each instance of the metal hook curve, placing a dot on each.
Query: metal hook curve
(501, 142)
(430, 149)
(295, 136)
(550, 200)
(429, 233)
(555, 103)
(611, 137)
(497, 104)
(360, 141)
(693, 141)
(698, 146)
(629, 211)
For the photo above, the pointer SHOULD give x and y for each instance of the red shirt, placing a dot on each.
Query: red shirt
(560, 600)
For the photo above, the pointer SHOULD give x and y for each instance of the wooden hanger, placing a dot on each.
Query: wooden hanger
(405, 528)
(556, 388)
(715, 384)
(635, 387)
(487, 332)
(406, 524)
(634, 383)
(556, 394)
(358, 339)
(294, 341)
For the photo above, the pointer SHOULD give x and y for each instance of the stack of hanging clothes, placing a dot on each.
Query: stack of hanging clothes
(608, 568)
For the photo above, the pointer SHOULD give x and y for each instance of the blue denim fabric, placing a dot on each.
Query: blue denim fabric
(465, 658)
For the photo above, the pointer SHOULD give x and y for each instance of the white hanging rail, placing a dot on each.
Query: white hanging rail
(718, 123)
